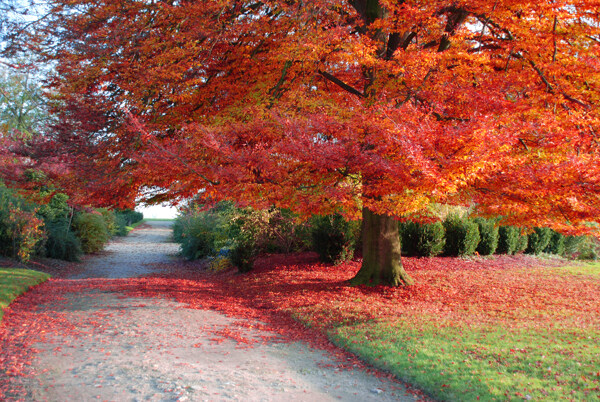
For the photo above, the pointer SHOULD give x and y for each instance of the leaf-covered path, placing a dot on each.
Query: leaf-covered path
(91, 338)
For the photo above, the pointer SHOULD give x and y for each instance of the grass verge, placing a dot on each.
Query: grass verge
(16, 281)
(539, 357)
(486, 363)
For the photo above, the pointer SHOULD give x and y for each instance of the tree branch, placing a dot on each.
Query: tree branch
(341, 84)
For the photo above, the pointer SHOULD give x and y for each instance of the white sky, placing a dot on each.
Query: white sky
(158, 211)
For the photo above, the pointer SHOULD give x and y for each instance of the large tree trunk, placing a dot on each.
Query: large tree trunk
(381, 252)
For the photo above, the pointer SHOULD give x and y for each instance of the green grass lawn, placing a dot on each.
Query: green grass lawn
(15, 281)
(589, 269)
(530, 353)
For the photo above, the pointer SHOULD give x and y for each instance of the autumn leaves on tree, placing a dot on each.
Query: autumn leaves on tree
(378, 108)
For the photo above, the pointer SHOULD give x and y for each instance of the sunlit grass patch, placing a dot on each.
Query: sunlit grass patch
(589, 269)
(15, 281)
(494, 363)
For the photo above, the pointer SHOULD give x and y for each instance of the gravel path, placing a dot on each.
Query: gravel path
(129, 349)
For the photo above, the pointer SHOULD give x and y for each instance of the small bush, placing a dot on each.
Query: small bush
(462, 236)
(121, 225)
(538, 240)
(508, 239)
(21, 233)
(424, 240)
(274, 230)
(219, 264)
(557, 244)
(489, 236)
(201, 235)
(243, 253)
(334, 238)
(91, 230)
(129, 216)
(62, 243)
(110, 219)
(408, 237)
(574, 244)
(522, 241)
(588, 249)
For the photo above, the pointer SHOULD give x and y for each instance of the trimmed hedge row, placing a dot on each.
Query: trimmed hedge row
(239, 235)
(457, 236)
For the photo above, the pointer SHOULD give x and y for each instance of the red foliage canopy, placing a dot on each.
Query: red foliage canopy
(329, 105)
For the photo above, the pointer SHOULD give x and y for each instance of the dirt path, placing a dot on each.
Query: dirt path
(104, 345)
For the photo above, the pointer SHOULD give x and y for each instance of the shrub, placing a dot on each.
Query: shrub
(522, 241)
(122, 226)
(200, 234)
(178, 228)
(489, 236)
(587, 248)
(538, 240)
(56, 209)
(408, 237)
(219, 263)
(334, 238)
(21, 232)
(91, 230)
(462, 236)
(129, 216)
(62, 243)
(110, 219)
(425, 240)
(574, 244)
(243, 253)
(557, 244)
(274, 230)
(508, 239)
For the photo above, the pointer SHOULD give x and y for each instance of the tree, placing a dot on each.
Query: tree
(22, 105)
(366, 106)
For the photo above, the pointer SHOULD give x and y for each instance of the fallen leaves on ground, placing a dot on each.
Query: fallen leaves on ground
(514, 291)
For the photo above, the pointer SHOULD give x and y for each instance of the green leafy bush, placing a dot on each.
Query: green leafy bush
(243, 253)
(274, 230)
(557, 244)
(122, 225)
(129, 216)
(62, 243)
(408, 237)
(200, 234)
(21, 232)
(462, 236)
(574, 244)
(489, 236)
(110, 219)
(424, 240)
(522, 241)
(334, 238)
(588, 249)
(538, 240)
(91, 230)
(508, 239)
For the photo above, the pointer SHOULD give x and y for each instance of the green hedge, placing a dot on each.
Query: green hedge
(92, 231)
(462, 236)
(489, 236)
(334, 238)
(538, 240)
(422, 239)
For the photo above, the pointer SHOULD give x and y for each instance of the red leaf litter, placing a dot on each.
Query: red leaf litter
(286, 286)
